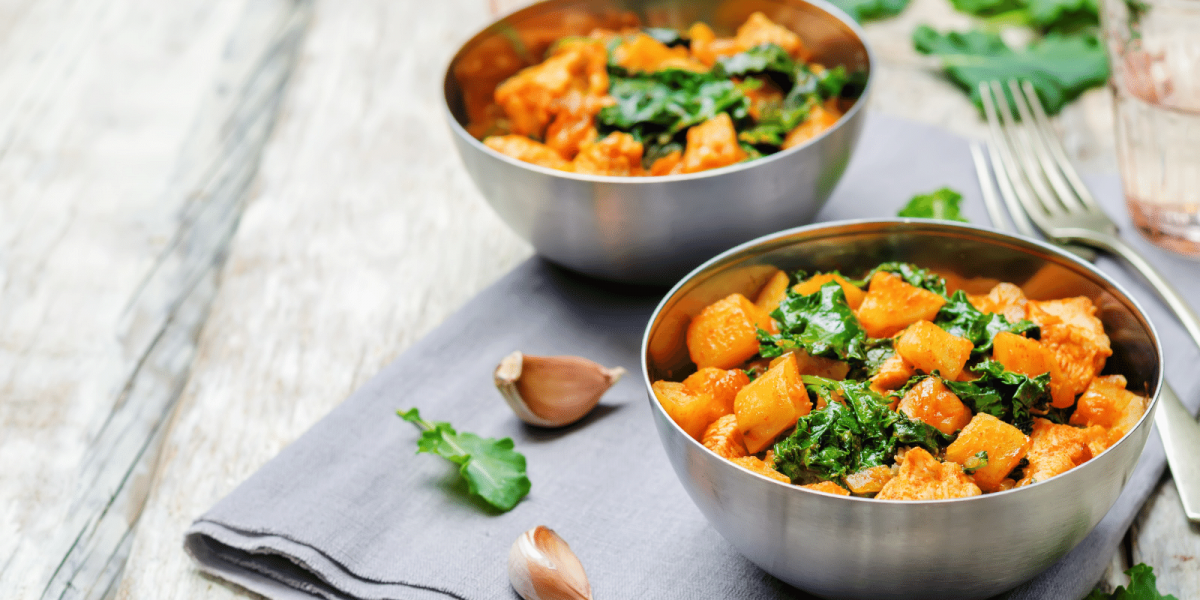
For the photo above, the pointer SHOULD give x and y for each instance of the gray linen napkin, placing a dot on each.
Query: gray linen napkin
(349, 511)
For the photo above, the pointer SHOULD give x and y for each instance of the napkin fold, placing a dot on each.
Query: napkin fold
(350, 511)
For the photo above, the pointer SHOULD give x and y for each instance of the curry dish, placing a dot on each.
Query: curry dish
(649, 101)
(894, 388)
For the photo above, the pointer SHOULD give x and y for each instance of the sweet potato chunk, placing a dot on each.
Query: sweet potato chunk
(854, 294)
(893, 374)
(771, 404)
(722, 385)
(525, 149)
(1054, 449)
(725, 333)
(931, 402)
(869, 481)
(1005, 446)
(1029, 357)
(724, 438)
(773, 292)
(671, 164)
(641, 52)
(822, 117)
(891, 304)
(706, 47)
(692, 412)
(930, 348)
(758, 30)
(711, 145)
(1070, 329)
(617, 154)
(828, 487)
(1107, 404)
(807, 364)
(1005, 298)
(755, 465)
(922, 477)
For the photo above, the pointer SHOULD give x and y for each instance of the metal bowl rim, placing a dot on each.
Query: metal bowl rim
(824, 5)
(967, 227)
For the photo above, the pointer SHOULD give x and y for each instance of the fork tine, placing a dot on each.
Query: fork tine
(1054, 145)
(1039, 154)
(1013, 187)
(995, 212)
(1019, 136)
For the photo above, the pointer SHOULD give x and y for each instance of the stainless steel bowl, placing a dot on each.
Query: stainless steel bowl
(651, 230)
(841, 547)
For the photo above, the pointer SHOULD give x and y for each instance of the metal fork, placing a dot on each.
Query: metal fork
(1028, 155)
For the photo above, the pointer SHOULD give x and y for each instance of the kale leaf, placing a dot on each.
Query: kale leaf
(942, 204)
(493, 470)
(764, 58)
(1045, 15)
(959, 317)
(842, 439)
(1060, 67)
(867, 10)
(1006, 395)
(911, 274)
(668, 101)
(821, 323)
(1143, 585)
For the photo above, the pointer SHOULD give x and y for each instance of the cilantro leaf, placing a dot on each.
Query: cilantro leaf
(959, 317)
(493, 470)
(866, 10)
(911, 274)
(841, 439)
(942, 204)
(1008, 396)
(1143, 585)
(821, 323)
(1060, 67)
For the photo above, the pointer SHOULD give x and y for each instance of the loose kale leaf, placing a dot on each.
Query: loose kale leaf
(911, 274)
(493, 470)
(878, 351)
(668, 101)
(821, 323)
(1046, 15)
(1008, 396)
(1143, 585)
(842, 439)
(942, 204)
(959, 317)
(764, 58)
(867, 10)
(1060, 67)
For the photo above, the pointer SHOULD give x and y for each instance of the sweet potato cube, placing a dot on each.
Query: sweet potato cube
(1029, 357)
(807, 364)
(923, 477)
(828, 487)
(931, 348)
(893, 374)
(773, 292)
(1005, 446)
(755, 465)
(722, 385)
(930, 401)
(891, 304)
(1054, 450)
(724, 438)
(1107, 404)
(854, 294)
(869, 481)
(725, 333)
(771, 404)
(692, 412)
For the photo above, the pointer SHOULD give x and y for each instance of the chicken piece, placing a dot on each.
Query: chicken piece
(1054, 450)
(923, 477)
(706, 47)
(617, 154)
(724, 438)
(822, 117)
(759, 30)
(869, 481)
(892, 375)
(1005, 299)
(1107, 404)
(1070, 328)
(754, 465)
(641, 52)
(574, 124)
(711, 145)
(525, 149)
(671, 164)
(529, 96)
(828, 487)
(931, 402)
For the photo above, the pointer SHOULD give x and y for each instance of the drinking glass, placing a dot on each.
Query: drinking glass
(1154, 49)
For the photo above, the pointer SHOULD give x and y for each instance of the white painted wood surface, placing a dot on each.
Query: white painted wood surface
(129, 130)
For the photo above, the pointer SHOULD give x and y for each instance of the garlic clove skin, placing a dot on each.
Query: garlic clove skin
(541, 566)
(553, 391)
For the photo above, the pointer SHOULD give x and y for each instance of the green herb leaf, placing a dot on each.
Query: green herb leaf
(668, 102)
(1060, 67)
(1008, 396)
(838, 440)
(1143, 585)
(821, 323)
(959, 317)
(942, 204)
(867, 10)
(493, 470)
(911, 274)
(764, 58)
(975, 463)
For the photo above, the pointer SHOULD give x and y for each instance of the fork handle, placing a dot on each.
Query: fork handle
(1180, 436)
(1165, 290)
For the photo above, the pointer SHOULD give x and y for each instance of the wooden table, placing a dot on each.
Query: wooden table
(220, 217)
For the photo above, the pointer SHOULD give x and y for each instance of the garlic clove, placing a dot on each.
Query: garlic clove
(541, 566)
(553, 391)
